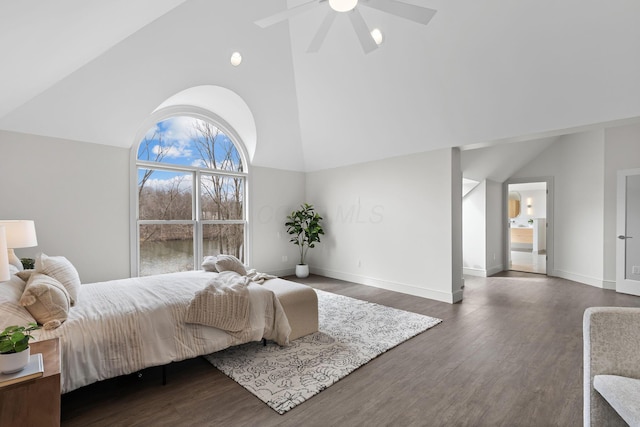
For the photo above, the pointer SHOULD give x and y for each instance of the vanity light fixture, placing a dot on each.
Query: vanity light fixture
(236, 59)
(529, 206)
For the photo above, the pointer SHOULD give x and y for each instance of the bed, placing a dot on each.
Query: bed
(122, 326)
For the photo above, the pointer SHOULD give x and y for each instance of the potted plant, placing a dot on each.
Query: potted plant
(304, 225)
(28, 263)
(14, 347)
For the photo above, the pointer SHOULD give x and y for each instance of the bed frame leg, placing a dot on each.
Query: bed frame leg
(164, 374)
(264, 342)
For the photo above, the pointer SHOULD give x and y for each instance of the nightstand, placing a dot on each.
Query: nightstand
(35, 402)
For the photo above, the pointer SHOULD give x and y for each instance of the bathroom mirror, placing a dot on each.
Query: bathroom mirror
(514, 204)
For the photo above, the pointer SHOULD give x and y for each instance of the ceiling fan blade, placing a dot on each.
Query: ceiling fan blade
(322, 32)
(419, 14)
(362, 31)
(286, 14)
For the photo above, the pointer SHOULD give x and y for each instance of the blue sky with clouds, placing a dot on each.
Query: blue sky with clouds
(177, 135)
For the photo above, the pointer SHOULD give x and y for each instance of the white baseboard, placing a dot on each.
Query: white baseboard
(495, 269)
(609, 284)
(391, 286)
(479, 272)
(591, 281)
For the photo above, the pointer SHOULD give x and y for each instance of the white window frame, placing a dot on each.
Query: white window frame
(196, 172)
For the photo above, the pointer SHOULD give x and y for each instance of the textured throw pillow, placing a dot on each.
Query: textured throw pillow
(209, 263)
(25, 274)
(230, 263)
(47, 300)
(11, 312)
(62, 270)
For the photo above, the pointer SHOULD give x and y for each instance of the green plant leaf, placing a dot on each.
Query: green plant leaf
(14, 339)
(304, 225)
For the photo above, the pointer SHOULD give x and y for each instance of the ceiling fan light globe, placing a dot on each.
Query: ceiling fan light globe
(377, 36)
(343, 5)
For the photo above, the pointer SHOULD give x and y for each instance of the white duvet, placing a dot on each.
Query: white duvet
(122, 326)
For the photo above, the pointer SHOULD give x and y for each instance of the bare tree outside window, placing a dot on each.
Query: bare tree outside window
(194, 153)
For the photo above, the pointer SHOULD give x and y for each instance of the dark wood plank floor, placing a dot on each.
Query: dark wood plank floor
(509, 355)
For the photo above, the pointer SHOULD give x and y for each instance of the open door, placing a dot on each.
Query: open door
(628, 232)
(536, 212)
(527, 228)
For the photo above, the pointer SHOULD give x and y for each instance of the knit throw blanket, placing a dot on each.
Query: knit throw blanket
(223, 303)
(257, 277)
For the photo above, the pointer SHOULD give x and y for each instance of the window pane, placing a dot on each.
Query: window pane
(188, 141)
(165, 249)
(164, 195)
(222, 197)
(223, 239)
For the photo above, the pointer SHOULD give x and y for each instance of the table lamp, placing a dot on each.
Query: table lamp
(20, 234)
(4, 257)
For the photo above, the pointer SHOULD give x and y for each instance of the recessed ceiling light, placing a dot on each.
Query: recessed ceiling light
(377, 35)
(236, 59)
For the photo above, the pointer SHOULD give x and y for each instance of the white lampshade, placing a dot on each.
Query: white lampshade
(343, 5)
(4, 258)
(21, 233)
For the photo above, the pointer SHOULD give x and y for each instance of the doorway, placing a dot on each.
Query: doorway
(527, 226)
(628, 232)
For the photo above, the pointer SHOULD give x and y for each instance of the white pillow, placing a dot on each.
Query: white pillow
(47, 300)
(230, 263)
(13, 269)
(62, 270)
(25, 274)
(11, 312)
(209, 263)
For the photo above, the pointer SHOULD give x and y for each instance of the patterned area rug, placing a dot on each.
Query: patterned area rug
(352, 332)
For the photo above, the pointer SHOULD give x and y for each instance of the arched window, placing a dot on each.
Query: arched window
(191, 192)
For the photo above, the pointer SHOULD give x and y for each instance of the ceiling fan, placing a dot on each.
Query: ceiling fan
(419, 14)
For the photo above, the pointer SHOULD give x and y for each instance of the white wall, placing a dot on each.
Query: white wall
(78, 196)
(622, 151)
(274, 194)
(576, 163)
(391, 224)
(496, 227)
(483, 230)
(474, 245)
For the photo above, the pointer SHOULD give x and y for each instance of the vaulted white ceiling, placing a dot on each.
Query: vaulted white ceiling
(485, 71)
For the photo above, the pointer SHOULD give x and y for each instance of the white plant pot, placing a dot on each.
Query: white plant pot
(14, 362)
(302, 271)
